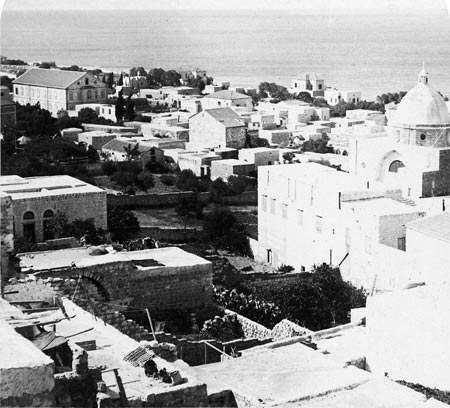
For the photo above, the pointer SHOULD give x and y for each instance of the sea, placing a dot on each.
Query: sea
(374, 51)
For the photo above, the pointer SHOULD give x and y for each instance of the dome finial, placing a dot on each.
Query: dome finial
(423, 75)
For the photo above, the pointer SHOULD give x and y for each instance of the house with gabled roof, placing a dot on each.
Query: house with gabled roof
(221, 127)
(56, 89)
(227, 98)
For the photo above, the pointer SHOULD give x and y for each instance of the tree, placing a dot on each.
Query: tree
(122, 223)
(225, 232)
(237, 185)
(304, 96)
(317, 146)
(120, 82)
(133, 72)
(132, 152)
(319, 299)
(120, 108)
(110, 81)
(87, 115)
(130, 113)
(62, 114)
(145, 180)
(187, 181)
(217, 190)
(6, 81)
(57, 225)
(123, 178)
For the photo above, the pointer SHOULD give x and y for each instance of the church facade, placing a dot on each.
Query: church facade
(413, 151)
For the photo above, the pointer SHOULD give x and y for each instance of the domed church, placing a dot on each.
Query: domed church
(413, 151)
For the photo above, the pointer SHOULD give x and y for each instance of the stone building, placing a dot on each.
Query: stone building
(221, 127)
(8, 108)
(36, 200)
(56, 89)
(6, 233)
(230, 167)
(227, 98)
(164, 278)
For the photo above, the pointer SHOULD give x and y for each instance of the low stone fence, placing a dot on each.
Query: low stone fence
(172, 235)
(171, 199)
(286, 329)
(264, 281)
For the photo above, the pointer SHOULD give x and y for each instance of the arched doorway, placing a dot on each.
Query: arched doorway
(395, 165)
(48, 232)
(29, 226)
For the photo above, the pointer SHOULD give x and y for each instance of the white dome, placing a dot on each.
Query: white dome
(422, 105)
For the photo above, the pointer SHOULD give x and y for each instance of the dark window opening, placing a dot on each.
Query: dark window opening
(395, 165)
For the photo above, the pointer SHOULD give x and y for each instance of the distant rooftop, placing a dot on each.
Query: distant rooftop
(380, 206)
(81, 257)
(53, 78)
(26, 187)
(437, 226)
(228, 95)
(226, 116)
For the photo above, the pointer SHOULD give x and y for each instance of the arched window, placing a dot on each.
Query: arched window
(29, 230)
(89, 94)
(395, 165)
(29, 215)
(48, 233)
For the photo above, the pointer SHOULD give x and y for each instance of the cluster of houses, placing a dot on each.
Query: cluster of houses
(382, 217)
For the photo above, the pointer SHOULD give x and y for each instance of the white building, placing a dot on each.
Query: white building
(227, 98)
(308, 213)
(311, 84)
(260, 156)
(334, 96)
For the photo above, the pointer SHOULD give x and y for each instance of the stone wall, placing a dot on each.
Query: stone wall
(265, 281)
(76, 206)
(171, 199)
(6, 235)
(173, 235)
(286, 328)
(252, 329)
(158, 288)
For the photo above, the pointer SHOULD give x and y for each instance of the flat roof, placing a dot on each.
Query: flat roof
(380, 206)
(111, 347)
(437, 226)
(63, 258)
(20, 188)
(272, 376)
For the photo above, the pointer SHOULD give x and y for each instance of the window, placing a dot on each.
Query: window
(300, 217)
(109, 111)
(272, 205)
(86, 81)
(48, 233)
(264, 203)
(289, 188)
(89, 94)
(284, 211)
(70, 95)
(16, 90)
(318, 223)
(320, 87)
(29, 230)
(401, 243)
(423, 136)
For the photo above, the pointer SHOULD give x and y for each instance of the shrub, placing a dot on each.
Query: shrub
(145, 180)
(109, 168)
(167, 180)
(225, 232)
(237, 184)
(250, 306)
(122, 223)
(218, 189)
(129, 166)
(123, 178)
(187, 181)
(190, 207)
(285, 268)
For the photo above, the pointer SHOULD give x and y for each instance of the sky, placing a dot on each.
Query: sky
(220, 4)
